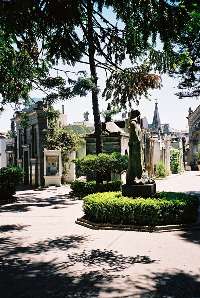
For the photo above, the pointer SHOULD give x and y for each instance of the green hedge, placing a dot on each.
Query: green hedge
(165, 209)
(9, 177)
(161, 170)
(82, 188)
(175, 157)
(100, 166)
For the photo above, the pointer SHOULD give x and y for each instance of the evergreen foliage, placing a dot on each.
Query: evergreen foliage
(10, 177)
(175, 161)
(101, 166)
(189, 49)
(161, 170)
(84, 188)
(36, 35)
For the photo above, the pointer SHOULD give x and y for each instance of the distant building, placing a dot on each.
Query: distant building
(7, 152)
(165, 138)
(156, 126)
(30, 143)
(40, 165)
(114, 139)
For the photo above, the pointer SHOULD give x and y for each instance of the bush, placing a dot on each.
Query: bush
(175, 161)
(101, 166)
(9, 178)
(82, 188)
(197, 156)
(161, 170)
(164, 209)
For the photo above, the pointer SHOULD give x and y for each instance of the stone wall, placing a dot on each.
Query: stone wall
(113, 142)
(157, 150)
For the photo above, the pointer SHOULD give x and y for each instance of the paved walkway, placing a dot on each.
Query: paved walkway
(44, 254)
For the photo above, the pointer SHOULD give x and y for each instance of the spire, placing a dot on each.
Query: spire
(156, 124)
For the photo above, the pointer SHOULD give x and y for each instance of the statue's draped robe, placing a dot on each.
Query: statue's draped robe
(135, 162)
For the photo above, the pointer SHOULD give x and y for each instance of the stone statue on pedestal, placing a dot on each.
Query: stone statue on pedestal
(135, 161)
(138, 184)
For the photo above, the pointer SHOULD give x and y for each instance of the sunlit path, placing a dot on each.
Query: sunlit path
(43, 253)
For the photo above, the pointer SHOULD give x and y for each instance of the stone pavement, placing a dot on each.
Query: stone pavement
(44, 254)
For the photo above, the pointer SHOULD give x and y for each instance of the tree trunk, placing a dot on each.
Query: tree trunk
(95, 103)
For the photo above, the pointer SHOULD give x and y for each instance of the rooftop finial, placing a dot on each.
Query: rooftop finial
(156, 124)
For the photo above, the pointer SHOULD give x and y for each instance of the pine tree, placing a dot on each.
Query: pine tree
(48, 31)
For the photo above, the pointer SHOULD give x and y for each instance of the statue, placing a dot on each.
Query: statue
(135, 161)
(138, 183)
(86, 116)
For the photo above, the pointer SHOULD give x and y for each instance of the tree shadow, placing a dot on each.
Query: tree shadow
(176, 285)
(15, 208)
(111, 260)
(23, 279)
(24, 203)
(192, 235)
(12, 228)
(13, 247)
(101, 270)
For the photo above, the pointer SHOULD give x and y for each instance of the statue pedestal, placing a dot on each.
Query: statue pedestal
(144, 191)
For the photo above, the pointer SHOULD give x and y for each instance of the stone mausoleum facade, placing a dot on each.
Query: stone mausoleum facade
(30, 143)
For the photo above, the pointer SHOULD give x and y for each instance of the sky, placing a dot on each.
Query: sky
(172, 110)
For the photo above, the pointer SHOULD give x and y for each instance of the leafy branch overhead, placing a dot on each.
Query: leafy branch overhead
(129, 85)
(99, 34)
(41, 33)
(189, 62)
(57, 88)
(18, 71)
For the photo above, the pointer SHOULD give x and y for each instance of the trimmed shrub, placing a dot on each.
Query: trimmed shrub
(197, 156)
(82, 188)
(175, 161)
(161, 170)
(101, 166)
(165, 209)
(9, 178)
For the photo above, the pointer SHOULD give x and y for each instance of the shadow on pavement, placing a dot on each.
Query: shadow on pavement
(192, 235)
(24, 203)
(23, 279)
(175, 285)
(111, 260)
(23, 276)
(12, 228)
(13, 247)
